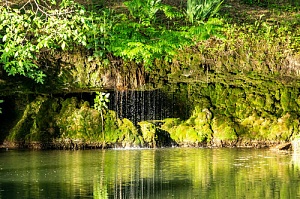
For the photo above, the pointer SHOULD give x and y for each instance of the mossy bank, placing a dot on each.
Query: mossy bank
(208, 115)
(234, 84)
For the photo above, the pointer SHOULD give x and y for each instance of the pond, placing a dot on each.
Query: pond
(150, 173)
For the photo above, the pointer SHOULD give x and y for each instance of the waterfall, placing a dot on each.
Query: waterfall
(142, 105)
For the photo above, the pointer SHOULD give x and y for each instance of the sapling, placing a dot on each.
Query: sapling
(100, 104)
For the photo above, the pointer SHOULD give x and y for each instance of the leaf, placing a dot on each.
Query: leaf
(90, 58)
(63, 45)
(20, 63)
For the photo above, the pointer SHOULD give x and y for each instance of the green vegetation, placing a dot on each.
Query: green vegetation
(1, 101)
(236, 71)
(29, 32)
(273, 3)
(229, 115)
(26, 33)
(201, 10)
(100, 104)
(149, 33)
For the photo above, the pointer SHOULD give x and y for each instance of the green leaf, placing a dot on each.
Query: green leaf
(4, 38)
(63, 45)
(20, 63)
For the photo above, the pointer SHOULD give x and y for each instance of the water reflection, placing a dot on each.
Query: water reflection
(149, 173)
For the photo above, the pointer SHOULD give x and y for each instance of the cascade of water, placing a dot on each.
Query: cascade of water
(131, 106)
(142, 105)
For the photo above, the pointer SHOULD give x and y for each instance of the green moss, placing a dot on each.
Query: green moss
(269, 106)
(148, 132)
(196, 129)
(285, 100)
(242, 109)
(271, 128)
(77, 120)
(129, 135)
(154, 136)
(35, 123)
(284, 127)
(111, 127)
(223, 128)
(184, 133)
(169, 123)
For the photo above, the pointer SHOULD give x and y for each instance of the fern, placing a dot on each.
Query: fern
(202, 10)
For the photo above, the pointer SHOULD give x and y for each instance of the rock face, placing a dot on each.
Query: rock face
(207, 115)
(217, 104)
(155, 137)
(57, 123)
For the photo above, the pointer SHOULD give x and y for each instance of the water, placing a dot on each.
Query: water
(149, 173)
(143, 105)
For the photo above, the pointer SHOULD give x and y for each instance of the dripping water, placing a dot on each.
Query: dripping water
(142, 105)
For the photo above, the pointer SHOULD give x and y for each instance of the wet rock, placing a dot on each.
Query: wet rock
(154, 136)
(284, 146)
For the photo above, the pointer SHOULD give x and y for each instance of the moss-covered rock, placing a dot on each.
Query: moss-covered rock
(154, 136)
(216, 114)
(224, 130)
(148, 131)
(129, 135)
(193, 132)
(37, 122)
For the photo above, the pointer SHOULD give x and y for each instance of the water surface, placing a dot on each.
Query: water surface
(150, 173)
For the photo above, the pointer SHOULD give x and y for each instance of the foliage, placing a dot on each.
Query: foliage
(1, 101)
(144, 44)
(101, 100)
(144, 10)
(144, 41)
(272, 3)
(26, 33)
(100, 104)
(42, 27)
(201, 10)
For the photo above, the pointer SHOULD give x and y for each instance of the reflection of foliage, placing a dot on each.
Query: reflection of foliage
(100, 188)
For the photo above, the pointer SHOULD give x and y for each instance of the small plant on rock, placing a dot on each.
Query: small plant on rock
(100, 104)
